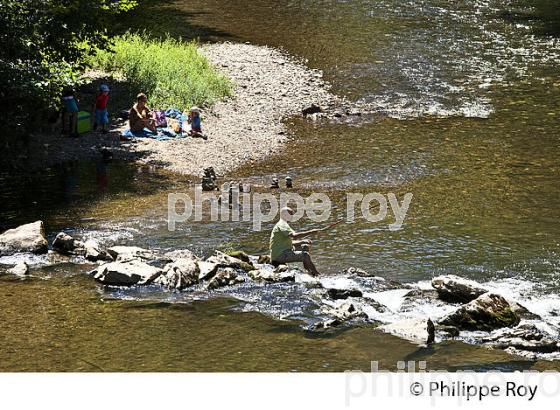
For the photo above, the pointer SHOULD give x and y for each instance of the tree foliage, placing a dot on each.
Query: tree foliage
(43, 44)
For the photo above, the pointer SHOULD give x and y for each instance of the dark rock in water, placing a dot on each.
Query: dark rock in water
(224, 260)
(180, 274)
(67, 245)
(312, 109)
(25, 238)
(414, 330)
(94, 252)
(488, 312)
(239, 255)
(129, 273)
(525, 338)
(21, 269)
(344, 293)
(455, 289)
(264, 259)
(224, 277)
(447, 331)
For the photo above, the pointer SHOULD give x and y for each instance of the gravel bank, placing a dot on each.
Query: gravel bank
(269, 87)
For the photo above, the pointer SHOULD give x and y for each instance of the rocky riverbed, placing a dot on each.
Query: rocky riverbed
(447, 307)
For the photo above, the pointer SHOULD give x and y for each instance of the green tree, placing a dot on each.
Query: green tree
(42, 47)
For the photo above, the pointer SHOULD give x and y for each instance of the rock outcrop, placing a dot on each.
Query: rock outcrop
(25, 238)
(455, 289)
(180, 274)
(126, 273)
(224, 277)
(488, 312)
(415, 330)
(525, 338)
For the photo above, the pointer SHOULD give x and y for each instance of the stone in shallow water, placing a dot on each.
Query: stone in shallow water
(334, 293)
(454, 289)
(126, 273)
(180, 274)
(525, 338)
(21, 269)
(207, 269)
(488, 312)
(94, 252)
(126, 253)
(224, 260)
(25, 238)
(268, 273)
(224, 277)
(67, 245)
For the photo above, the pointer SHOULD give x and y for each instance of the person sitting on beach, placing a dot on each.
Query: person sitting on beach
(100, 109)
(140, 115)
(196, 123)
(283, 248)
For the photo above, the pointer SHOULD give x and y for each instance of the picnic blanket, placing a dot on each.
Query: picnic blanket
(161, 134)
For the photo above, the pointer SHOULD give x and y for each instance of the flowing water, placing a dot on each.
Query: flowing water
(468, 105)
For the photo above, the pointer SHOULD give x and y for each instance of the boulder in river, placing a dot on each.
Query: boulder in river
(94, 252)
(525, 338)
(414, 330)
(126, 273)
(224, 260)
(21, 269)
(126, 253)
(344, 311)
(267, 273)
(487, 312)
(335, 293)
(454, 289)
(224, 277)
(67, 245)
(180, 274)
(207, 270)
(25, 238)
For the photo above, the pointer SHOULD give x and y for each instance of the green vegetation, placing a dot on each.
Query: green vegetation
(173, 73)
(41, 48)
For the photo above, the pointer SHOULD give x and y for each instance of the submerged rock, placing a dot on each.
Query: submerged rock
(21, 269)
(414, 330)
(126, 273)
(224, 277)
(180, 274)
(334, 293)
(488, 312)
(454, 289)
(25, 238)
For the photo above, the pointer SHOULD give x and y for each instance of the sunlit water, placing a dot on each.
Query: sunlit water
(467, 122)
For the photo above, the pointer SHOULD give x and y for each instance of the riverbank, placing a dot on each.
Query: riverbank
(270, 86)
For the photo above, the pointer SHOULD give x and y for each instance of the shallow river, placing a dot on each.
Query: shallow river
(468, 106)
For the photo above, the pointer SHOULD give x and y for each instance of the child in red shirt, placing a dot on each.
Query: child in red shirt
(100, 109)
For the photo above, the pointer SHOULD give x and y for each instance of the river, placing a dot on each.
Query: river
(467, 107)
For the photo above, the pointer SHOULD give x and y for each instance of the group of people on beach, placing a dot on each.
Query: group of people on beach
(140, 116)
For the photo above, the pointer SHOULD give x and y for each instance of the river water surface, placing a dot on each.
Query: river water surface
(468, 105)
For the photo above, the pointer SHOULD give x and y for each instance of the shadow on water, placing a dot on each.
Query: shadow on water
(543, 14)
(162, 18)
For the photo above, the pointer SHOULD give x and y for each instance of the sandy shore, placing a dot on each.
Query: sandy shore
(270, 86)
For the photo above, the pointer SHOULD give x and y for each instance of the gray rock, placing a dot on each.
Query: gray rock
(25, 238)
(344, 311)
(488, 312)
(181, 254)
(67, 245)
(126, 253)
(307, 280)
(224, 260)
(526, 338)
(180, 274)
(415, 330)
(207, 270)
(224, 277)
(268, 273)
(126, 273)
(454, 289)
(21, 269)
(94, 252)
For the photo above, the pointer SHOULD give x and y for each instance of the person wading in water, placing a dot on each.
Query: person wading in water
(285, 246)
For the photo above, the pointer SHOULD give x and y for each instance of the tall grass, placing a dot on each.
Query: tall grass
(173, 73)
